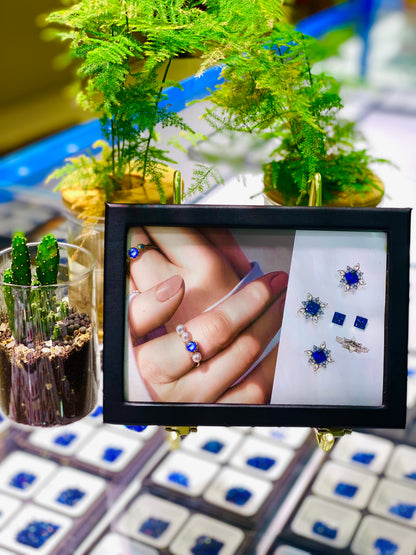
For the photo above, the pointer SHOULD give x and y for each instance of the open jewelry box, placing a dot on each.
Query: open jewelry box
(205, 305)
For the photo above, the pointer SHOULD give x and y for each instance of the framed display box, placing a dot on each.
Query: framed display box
(256, 316)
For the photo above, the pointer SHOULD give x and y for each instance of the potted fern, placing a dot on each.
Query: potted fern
(270, 90)
(48, 341)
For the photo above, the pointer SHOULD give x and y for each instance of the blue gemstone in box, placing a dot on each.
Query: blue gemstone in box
(411, 475)
(70, 496)
(179, 478)
(133, 252)
(385, 546)
(312, 308)
(403, 509)
(153, 527)
(239, 496)
(360, 322)
(1, 418)
(204, 545)
(111, 454)
(322, 529)
(98, 412)
(351, 277)
(346, 490)
(65, 439)
(363, 458)
(191, 346)
(319, 356)
(338, 318)
(36, 533)
(262, 463)
(213, 446)
(22, 480)
(136, 428)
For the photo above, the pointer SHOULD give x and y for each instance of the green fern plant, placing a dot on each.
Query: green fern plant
(270, 90)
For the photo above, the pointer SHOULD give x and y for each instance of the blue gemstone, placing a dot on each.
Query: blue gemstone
(98, 412)
(363, 458)
(133, 252)
(179, 478)
(351, 277)
(1, 418)
(191, 346)
(239, 496)
(213, 446)
(204, 545)
(411, 475)
(22, 480)
(70, 496)
(136, 428)
(312, 308)
(36, 533)
(319, 356)
(65, 439)
(403, 509)
(360, 322)
(111, 454)
(323, 530)
(262, 463)
(346, 490)
(385, 547)
(338, 318)
(153, 527)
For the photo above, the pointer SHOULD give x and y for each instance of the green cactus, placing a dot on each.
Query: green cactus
(38, 304)
(20, 260)
(47, 260)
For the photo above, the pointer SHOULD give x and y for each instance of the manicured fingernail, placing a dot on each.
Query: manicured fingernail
(278, 282)
(169, 288)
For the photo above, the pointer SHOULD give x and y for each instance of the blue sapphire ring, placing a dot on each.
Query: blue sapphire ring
(312, 308)
(190, 345)
(319, 357)
(135, 252)
(351, 278)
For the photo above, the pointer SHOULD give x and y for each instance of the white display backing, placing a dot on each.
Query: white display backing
(354, 379)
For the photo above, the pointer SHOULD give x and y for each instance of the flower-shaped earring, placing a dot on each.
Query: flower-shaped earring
(351, 278)
(312, 308)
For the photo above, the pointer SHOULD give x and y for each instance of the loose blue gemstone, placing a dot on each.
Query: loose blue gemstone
(411, 475)
(153, 527)
(98, 412)
(385, 546)
(1, 418)
(319, 356)
(338, 318)
(351, 277)
(136, 428)
(312, 308)
(111, 454)
(360, 322)
(346, 490)
(204, 545)
(70, 497)
(213, 446)
(262, 463)
(403, 509)
(363, 458)
(36, 533)
(22, 480)
(191, 346)
(65, 439)
(133, 252)
(239, 496)
(323, 530)
(179, 478)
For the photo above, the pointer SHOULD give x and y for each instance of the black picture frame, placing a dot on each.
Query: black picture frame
(395, 223)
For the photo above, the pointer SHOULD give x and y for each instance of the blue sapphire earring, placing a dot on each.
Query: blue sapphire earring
(360, 322)
(312, 308)
(351, 278)
(319, 357)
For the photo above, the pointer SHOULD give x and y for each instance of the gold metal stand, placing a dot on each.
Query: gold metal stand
(174, 434)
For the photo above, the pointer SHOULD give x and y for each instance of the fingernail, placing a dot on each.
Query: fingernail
(169, 288)
(278, 282)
